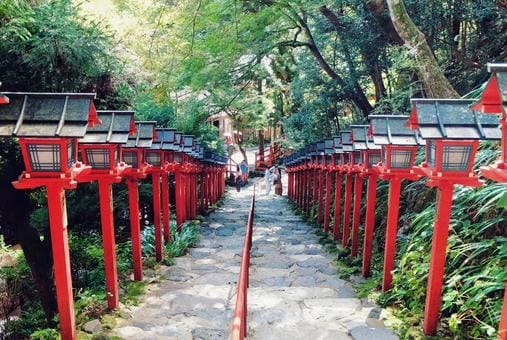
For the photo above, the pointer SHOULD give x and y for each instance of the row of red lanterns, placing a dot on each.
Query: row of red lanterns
(54, 129)
(449, 129)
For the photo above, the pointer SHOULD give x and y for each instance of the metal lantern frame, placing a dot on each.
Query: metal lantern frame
(452, 131)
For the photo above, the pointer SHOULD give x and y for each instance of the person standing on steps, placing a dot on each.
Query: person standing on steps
(237, 179)
(244, 171)
(277, 180)
(268, 179)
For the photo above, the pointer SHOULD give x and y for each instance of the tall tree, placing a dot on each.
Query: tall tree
(436, 85)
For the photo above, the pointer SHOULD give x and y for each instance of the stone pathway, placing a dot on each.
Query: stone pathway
(294, 293)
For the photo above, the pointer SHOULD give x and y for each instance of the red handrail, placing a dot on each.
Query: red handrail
(239, 327)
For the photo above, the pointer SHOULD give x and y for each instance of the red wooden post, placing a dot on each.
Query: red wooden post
(108, 243)
(166, 211)
(329, 184)
(60, 246)
(135, 228)
(201, 190)
(155, 182)
(337, 205)
(320, 198)
(315, 191)
(180, 218)
(369, 223)
(502, 327)
(358, 194)
(346, 210)
(391, 231)
(308, 194)
(438, 255)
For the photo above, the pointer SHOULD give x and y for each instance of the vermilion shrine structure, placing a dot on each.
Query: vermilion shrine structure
(54, 130)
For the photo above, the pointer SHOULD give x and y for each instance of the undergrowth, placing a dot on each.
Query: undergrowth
(476, 266)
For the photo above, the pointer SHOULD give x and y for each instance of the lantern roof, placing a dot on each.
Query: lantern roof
(346, 140)
(393, 130)
(320, 148)
(451, 119)
(329, 146)
(33, 114)
(338, 148)
(144, 136)
(178, 141)
(114, 128)
(164, 139)
(494, 97)
(188, 143)
(361, 140)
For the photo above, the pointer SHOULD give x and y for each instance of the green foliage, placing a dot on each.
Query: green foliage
(476, 258)
(49, 47)
(45, 334)
(182, 240)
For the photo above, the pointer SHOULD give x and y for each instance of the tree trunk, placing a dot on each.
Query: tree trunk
(260, 134)
(353, 93)
(359, 98)
(434, 81)
(376, 7)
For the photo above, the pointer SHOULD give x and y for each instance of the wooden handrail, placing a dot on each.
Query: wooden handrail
(239, 325)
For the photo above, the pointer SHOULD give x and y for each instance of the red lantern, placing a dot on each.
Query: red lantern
(492, 102)
(399, 146)
(452, 131)
(99, 149)
(48, 125)
(131, 153)
(347, 166)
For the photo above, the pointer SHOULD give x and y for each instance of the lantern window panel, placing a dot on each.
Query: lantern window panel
(400, 159)
(44, 157)
(71, 153)
(178, 158)
(98, 158)
(346, 158)
(153, 158)
(456, 157)
(357, 158)
(432, 152)
(337, 160)
(373, 158)
(130, 157)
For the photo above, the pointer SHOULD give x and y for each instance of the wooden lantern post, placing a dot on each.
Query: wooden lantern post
(399, 146)
(48, 125)
(320, 171)
(154, 156)
(328, 168)
(493, 101)
(452, 131)
(338, 158)
(347, 161)
(99, 148)
(179, 181)
(369, 155)
(133, 155)
(166, 137)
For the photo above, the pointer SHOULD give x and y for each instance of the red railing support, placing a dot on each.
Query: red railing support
(239, 323)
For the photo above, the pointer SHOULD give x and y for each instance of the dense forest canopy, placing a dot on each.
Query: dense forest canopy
(307, 67)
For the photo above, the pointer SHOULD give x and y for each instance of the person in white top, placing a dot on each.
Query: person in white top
(268, 179)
